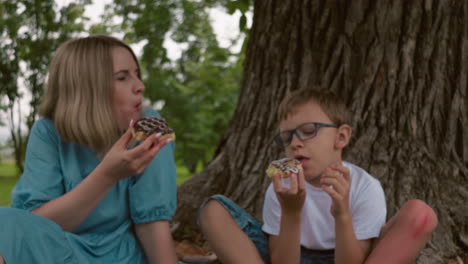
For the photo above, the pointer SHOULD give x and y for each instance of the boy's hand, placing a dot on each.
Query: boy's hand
(291, 199)
(337, 183)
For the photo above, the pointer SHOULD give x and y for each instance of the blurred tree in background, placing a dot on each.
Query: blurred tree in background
(30, 31)
(196, 92)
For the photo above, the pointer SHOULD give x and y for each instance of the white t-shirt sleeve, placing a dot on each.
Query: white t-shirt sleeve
(271, 212)
(369, 210)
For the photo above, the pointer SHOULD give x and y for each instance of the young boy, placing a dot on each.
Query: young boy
(330, 212)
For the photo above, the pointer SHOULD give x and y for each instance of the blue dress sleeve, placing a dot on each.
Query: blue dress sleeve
(153, 193)
(42, 178)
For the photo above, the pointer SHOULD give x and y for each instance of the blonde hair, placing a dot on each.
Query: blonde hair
(331, 104)
(79, 92)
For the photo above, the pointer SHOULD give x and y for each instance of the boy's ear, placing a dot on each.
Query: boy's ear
(343, 136)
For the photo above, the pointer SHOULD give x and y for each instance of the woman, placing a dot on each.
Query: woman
(84, 197)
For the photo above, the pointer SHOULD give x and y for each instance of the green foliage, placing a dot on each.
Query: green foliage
(184, 174)
(9, 66)
(30, 32)
(199, 90)
(207, 84)
(243, 6)
(44, 29)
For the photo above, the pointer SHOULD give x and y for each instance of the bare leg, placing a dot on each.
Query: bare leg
(2, 261)
(225, 237)
(405, 234)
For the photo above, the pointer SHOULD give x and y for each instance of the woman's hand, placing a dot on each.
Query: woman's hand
(291, 199)
(73, 207)
(120, 162)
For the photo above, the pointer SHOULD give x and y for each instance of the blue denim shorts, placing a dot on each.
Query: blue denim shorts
(253, 229)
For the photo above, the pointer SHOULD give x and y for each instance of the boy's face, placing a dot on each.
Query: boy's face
(319, 152)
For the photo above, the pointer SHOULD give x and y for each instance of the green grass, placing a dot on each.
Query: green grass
(8, 169)
(8, 178)
(5, 189)
(182, 174)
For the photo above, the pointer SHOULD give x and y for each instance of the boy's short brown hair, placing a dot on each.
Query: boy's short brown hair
(331, 104)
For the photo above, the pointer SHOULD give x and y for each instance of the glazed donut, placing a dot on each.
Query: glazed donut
(150, 125)
(285, 166)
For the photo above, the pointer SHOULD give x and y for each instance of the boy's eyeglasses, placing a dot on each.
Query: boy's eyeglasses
(303, 132)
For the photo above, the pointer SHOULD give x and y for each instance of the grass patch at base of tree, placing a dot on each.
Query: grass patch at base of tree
(8, 169)
(183, 174)
(8, 176)
(5, 190)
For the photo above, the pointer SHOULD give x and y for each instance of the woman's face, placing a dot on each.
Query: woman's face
(128, 87)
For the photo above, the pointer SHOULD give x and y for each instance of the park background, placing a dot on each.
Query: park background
(214, 32)
(400, 65)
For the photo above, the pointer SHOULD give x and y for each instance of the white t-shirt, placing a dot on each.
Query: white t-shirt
(366, 201)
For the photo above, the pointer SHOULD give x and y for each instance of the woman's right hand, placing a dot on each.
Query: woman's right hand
(120, 162)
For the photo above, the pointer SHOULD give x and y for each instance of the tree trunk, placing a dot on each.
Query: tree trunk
(15, 133)
(401, 67)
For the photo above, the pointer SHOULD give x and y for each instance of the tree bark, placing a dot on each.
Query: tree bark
(401, 67)
(15, 133)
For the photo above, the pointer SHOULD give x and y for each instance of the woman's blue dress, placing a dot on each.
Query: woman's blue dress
(54, 167)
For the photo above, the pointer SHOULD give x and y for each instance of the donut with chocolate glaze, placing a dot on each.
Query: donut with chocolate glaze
(285, 167)
(150, 125)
